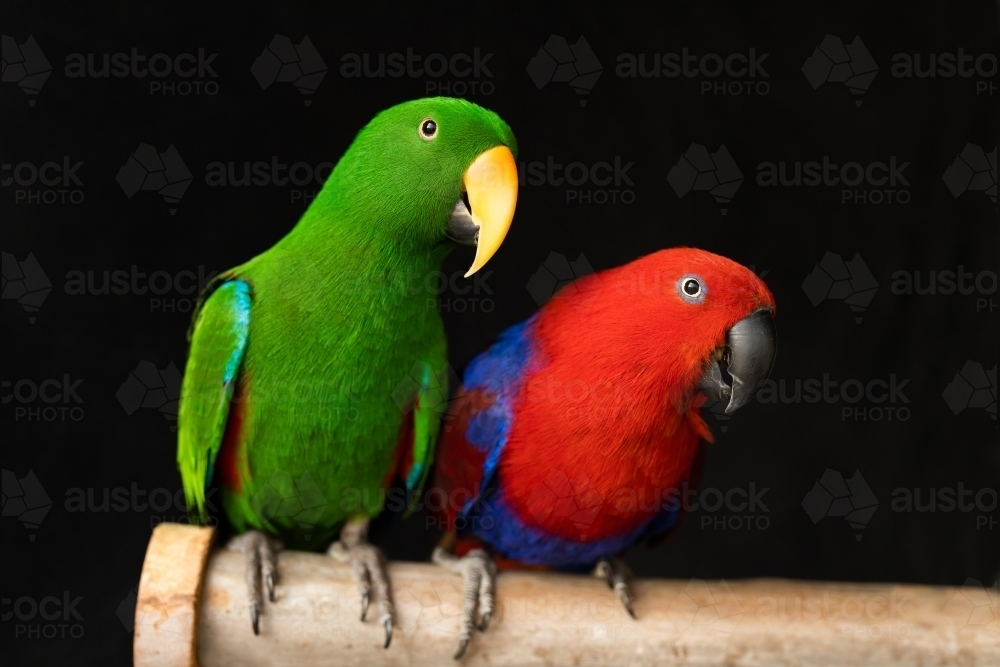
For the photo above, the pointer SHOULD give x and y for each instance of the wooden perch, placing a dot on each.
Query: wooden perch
(192, 610)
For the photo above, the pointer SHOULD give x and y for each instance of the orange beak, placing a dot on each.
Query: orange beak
(491, 184)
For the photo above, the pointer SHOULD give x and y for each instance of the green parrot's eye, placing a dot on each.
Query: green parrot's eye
(428, 129)
(691, 289)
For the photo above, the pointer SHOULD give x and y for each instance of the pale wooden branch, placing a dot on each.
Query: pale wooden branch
(545, 619)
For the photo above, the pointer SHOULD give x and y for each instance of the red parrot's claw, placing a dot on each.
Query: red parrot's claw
(615, 573)
(478, 574)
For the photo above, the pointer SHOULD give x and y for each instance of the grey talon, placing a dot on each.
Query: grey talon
(368, 567)
(478, 583)
(462, 645)
(387, 622)
(626, 600)
(616, 574)
(260, 563)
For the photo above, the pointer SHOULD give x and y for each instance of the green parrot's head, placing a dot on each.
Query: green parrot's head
(430, 170)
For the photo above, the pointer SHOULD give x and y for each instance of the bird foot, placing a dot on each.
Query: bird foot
(260, 555)
(616, 574)
(479, 581)
(368, 567)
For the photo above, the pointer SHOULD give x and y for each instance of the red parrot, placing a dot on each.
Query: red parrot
(573, 433)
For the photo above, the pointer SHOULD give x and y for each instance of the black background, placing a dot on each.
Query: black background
(784, 231)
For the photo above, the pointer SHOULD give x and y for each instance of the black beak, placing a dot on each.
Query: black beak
(461, 228)
(746, 361)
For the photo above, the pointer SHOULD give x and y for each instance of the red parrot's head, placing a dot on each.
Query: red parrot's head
(721, 316)
(695, 320)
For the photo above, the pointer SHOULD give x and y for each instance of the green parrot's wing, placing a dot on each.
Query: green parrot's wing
(428, 381)
(218, 340)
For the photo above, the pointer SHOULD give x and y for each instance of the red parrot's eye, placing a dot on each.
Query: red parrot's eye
(428, 129)
(691, 289)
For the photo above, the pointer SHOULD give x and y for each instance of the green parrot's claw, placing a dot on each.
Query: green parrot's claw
(368, 567)
(260, 562)
(462, 645)
(387, 622)
(485, 622)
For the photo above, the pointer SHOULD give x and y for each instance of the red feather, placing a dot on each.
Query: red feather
(460, 465)
(232, 447)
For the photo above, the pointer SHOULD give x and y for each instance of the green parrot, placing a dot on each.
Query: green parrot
(314, 378)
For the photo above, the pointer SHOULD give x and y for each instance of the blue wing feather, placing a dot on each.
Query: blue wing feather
(498, 372)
